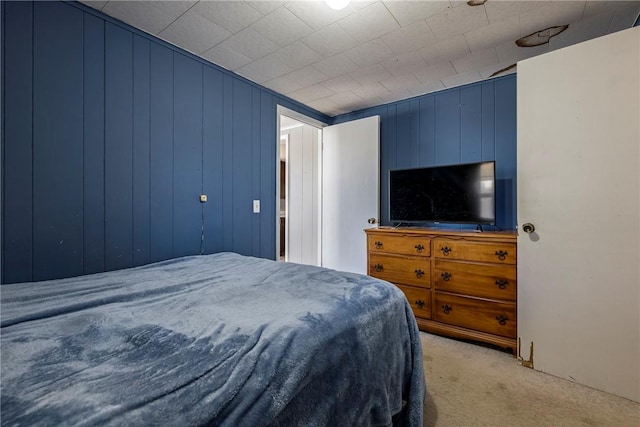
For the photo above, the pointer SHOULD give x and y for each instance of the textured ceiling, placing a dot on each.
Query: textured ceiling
(371, 52)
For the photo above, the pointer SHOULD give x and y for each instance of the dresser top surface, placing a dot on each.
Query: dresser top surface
(441, 232)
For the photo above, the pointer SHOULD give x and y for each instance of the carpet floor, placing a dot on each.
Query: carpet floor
(472, 385)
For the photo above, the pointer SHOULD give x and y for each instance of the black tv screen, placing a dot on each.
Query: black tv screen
(463, 193)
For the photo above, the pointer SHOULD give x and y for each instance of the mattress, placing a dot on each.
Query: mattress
(218, 339)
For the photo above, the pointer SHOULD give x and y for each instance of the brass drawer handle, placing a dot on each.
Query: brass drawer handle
(419, 248)
(378, 267)
(419, 273)
(378, 244)
(446, 250)
(502, 319)
(502, 255)
(502, 283)
(446, 309)
(446, 276)
(420, 303)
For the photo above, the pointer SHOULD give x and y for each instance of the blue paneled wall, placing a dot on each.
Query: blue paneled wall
(471, 123)
(111, 135)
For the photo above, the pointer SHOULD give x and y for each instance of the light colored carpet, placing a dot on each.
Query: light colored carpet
(472, 385)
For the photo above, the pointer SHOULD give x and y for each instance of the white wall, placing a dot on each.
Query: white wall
(579, 183)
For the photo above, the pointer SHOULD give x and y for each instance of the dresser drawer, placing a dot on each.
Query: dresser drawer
(400, 269)
(420, 300)
(486, 316)
(501, 253)
(403, 244)
(480, 280)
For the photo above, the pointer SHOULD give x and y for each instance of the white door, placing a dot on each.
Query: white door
(578, 184)
(350, 191)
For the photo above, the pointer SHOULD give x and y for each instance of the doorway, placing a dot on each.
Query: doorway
(330, 191)
(299, 188)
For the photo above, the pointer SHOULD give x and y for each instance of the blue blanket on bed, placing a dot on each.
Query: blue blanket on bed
(218, 339)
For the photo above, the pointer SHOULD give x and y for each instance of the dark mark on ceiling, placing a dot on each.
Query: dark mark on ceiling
(510, 67)
(541, 37)
(476, 2)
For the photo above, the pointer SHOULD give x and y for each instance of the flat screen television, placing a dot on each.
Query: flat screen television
(463, 193)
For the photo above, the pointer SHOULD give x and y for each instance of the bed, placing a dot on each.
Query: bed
(218, 339)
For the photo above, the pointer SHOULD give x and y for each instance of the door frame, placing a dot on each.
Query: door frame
(284, 111)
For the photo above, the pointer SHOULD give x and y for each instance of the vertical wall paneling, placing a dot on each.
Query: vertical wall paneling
(93, 197)
(488, 121)
(1, 133)
(255, 168)
(227, 164)
(92, 179)
(241, 164)
(187, 155)
(121, 147)
(268, 141)
(212, 149)
(387, 156)
(406, 136)
(447, 124)
(471, 124)
(57, 141)
(141, 149)
(415, 130)
(17, 200)
(427, 146)
(505, 104)
(161, 155)
(118, 161)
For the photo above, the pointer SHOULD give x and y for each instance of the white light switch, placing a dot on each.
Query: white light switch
(256, 206)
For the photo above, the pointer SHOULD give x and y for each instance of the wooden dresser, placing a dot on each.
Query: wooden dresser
(459, 283)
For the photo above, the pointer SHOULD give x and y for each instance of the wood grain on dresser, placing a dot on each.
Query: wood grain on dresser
(458, 283)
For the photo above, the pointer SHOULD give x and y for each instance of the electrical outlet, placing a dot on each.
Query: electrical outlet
(256, 206)
(203, 198)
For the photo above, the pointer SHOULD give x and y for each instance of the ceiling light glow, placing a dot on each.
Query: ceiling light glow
(337, 4)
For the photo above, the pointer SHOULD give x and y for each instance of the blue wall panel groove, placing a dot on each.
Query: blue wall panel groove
(57, 141)
(212, 145)
(470, 124)
(488, 113)
(187, 155)
(93, 144)
(255, 168)
(241, 167)
(406, 137)
(161, 154)
(227, 164)
(17, 180)
(141, 149)
(427, 144)
(118, 157)
(447, 126)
